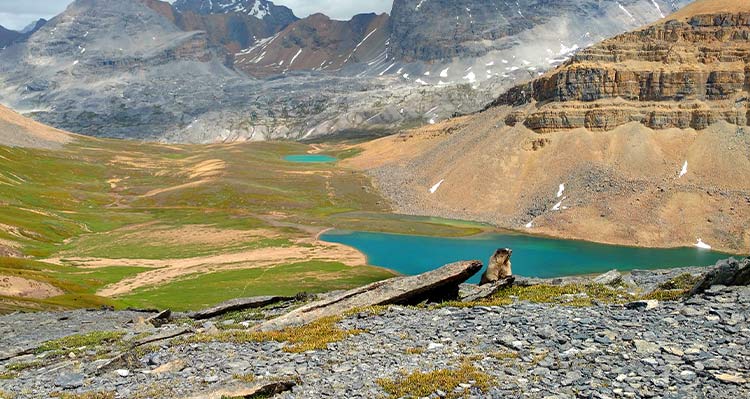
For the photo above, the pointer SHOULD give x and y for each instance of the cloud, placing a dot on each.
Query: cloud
(336, 9)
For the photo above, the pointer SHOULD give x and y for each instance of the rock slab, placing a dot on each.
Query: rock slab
(440, 284)
(729, 272)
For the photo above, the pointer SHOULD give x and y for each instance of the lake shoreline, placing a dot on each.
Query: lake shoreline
(531, 259)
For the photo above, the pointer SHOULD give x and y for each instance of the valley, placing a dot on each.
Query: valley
(128, 224)
(455, 199)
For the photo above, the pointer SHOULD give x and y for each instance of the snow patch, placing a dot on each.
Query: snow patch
(684, 170)
(444, 73)
(558, 205)
(626, 11)
(561, 190)
(702, 245)
(434, 188)
(295, 56)
(530, 224)
(657, 8)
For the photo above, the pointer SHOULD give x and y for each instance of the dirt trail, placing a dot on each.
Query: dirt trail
(168, 270)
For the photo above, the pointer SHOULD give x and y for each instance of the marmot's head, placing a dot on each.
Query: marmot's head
(503, 253)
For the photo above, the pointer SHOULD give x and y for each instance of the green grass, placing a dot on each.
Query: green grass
(79, 342)
(207, 289)
(576, 295)
(59, 204)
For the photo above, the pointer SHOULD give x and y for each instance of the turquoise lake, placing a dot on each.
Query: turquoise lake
(310, 158)
(532, 256)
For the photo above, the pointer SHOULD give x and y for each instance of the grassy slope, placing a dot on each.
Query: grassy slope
(97, 199)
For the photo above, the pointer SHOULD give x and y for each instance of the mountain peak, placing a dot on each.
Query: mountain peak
(34, 26)
(256, 8)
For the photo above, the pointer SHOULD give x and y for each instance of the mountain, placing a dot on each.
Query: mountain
(489, 40)
(115, 68)
(8, 36)
(213, 71)
(430, 30)
(641, 140)
(317, 43)
(690, 72)
(235, 24)
(33, 27)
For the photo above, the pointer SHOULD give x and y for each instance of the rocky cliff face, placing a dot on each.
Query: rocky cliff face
(318, 43)
(430, 30)
(235, 24)
(687, 72)
(115, 68)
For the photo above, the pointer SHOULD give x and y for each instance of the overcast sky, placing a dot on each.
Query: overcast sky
(16, 14)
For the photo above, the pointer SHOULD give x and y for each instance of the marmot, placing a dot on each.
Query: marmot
(499, 267)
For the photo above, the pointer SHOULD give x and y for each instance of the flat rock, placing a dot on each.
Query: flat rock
(730, 378)
(260, 390)
(475, 293)
(237, 304)
(440, 283)
(642, 305)
(69, 381)
(611, 277)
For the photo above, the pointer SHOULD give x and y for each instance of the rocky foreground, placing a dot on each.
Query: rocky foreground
(540, 339)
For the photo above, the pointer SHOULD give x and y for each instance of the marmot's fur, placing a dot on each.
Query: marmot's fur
(499, 267)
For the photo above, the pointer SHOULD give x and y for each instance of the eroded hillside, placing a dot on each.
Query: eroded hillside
(641, 140)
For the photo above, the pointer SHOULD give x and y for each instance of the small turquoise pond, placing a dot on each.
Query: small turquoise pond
(532, 256)
(310, 158)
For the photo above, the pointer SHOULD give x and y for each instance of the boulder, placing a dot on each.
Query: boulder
(264, 390)
(436, 285)
(642, 305)
(728, 272)
(611, 277)
(236, 305)
(160, 318)
(473, 293)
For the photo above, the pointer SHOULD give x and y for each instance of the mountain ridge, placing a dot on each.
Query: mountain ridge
(187, 79)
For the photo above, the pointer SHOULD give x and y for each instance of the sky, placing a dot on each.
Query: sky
(16, 14)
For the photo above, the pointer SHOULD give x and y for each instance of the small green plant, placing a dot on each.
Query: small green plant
(684, 281)
(12, 370)
(566, 295)
(8, 375)
(422, 384)
(674, 289)
(75, 343)
(414, 351)
(246, 378)
(316, 335)
(501, 355)
(85, 395)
